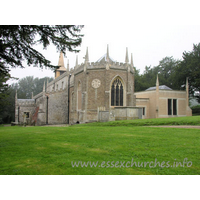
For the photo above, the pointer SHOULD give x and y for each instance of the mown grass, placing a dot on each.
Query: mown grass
(50, 150)
(193, 120)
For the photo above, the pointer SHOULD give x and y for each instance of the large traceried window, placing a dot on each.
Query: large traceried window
(117, 91)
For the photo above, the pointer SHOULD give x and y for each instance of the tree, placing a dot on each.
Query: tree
(29, 84)
(17, 44)
(190, 67)
(7, 113)
(24, 87)
(4, 89)
(145, 80)
(165, 71)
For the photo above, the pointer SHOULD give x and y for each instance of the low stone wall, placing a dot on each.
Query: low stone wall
(127, 113)
(120, 113)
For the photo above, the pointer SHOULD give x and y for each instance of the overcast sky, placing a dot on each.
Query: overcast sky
(151, 30)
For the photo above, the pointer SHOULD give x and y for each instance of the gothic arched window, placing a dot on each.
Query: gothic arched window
(117, 93)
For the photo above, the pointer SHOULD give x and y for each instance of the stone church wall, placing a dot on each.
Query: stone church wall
(84, 106)
(90, 89)
(30, 109)
(58, 107)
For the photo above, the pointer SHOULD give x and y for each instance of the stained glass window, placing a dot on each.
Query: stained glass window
(117, 93)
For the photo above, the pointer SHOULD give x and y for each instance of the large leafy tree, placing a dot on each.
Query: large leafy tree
(17, 47)
(4, 89)
(29, 84)
(24, 87)
(190, 67)
(165, 71)
(17, 44)
(7, 113)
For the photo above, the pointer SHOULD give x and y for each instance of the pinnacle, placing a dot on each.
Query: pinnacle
(157, 81)
(107, 54)
(61, 60)
(126, 59)
(87, 56)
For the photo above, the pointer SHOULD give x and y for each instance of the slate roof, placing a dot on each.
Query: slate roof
(103, 58)
(161, 87)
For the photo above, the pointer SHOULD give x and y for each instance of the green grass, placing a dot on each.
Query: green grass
(50, 150)
(193, 120)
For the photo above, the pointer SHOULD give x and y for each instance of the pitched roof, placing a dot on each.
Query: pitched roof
(104, 58)
(161, 87)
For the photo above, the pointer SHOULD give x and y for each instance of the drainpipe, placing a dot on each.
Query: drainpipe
(68, 97)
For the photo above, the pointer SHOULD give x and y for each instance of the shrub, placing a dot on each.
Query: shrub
(196, 110)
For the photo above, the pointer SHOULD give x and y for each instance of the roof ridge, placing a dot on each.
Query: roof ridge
(161, 87)
(105, 58)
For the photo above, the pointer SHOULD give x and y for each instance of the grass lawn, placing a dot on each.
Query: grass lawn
(51, 150)
(193, 120)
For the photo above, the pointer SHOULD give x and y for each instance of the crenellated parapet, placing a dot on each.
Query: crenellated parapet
(103, 65)
(105, 62)
(25, 102)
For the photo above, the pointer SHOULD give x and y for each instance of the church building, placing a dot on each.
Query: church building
(97, 91)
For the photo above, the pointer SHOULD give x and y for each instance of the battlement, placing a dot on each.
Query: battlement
(104, 62)
(26, 102)
(103, 65)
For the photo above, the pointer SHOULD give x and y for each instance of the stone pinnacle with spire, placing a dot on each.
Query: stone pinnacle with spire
(87, 56)
(44, 87)
(187, 85)
(157, 81)
(126, 59)
(86, 60)
(107, 54)
(132, 62)
(61, 60)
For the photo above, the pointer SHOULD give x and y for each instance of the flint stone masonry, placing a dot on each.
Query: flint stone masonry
(58, 108)
(24, 106)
